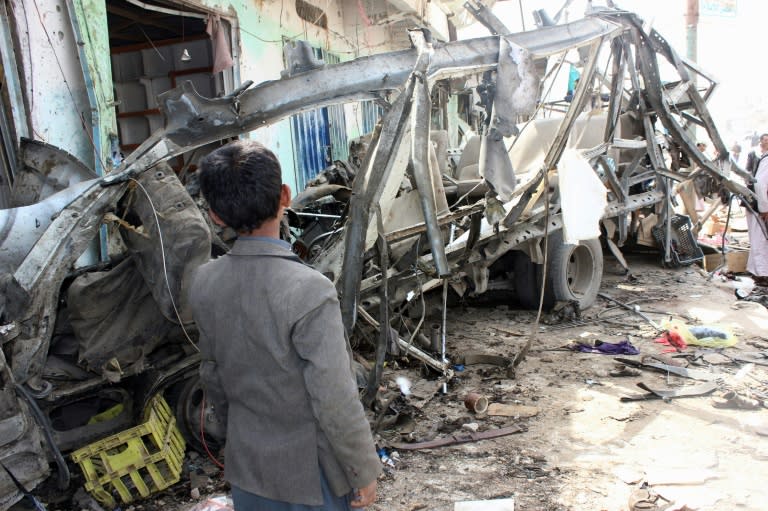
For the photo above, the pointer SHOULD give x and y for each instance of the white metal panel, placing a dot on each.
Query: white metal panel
(51, 67)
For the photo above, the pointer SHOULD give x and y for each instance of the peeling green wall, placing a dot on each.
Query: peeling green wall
(92, 18)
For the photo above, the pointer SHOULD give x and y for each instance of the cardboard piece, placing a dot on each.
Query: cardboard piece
(644, 234)
(735, 261)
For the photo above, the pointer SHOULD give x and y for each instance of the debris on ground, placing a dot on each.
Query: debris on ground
(606, 348)
(215, 503)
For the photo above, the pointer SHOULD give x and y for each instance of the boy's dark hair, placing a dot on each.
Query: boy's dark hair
(242, 183)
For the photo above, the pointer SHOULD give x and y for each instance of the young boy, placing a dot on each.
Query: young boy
(275, 359)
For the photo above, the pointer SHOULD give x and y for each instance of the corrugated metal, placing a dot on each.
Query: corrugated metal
(371, 112)
(337, 123)
(319, 136)
(311, 144)
(338, 132)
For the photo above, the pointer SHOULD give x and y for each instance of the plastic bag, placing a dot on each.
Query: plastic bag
(709, 336)
(217, 503)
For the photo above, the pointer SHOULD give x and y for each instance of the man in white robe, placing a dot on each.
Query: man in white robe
(757, 264)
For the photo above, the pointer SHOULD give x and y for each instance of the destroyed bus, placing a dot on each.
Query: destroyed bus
(525, 193)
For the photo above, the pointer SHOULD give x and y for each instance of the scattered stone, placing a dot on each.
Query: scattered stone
(195, 493)
(197, 480)
(471, 426)
(85, 501)
(716, 359)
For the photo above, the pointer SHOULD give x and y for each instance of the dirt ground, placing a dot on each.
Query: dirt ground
(584, 449)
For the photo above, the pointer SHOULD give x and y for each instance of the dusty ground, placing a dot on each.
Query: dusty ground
(584, 449)
(587, 450)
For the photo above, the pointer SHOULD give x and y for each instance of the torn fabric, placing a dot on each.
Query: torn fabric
(222, 54)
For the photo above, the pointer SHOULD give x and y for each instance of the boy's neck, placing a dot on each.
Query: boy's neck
(268, 229)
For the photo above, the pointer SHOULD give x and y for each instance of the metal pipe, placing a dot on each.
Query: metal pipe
(408, 348)
(374, 377)
(367, 190)
(420, 161)
(420, 149)
(486, 17)
(445, 321)
(316, 215)
(434, 338)
(194, 120)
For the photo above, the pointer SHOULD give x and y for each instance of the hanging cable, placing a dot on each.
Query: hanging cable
(543, 286)
(722, 239)
(165, 267)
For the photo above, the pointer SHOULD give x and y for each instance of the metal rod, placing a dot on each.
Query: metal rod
(407, 347)
(445, 320)
(635, 309)
(374, 378)
(377, 166)
(316, 215)
(420, 160)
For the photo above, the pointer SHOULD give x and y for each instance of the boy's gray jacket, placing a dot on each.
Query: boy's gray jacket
(276, 359)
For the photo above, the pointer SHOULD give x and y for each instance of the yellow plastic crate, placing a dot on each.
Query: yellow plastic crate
(136, 462)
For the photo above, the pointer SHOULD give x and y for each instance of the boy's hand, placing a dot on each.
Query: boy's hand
(364, 496)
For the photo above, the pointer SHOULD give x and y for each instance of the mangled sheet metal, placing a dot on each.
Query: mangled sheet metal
(516, 93)
(123, 314)
(409, 225)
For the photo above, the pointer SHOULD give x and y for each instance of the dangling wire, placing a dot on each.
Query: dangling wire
(165, 267)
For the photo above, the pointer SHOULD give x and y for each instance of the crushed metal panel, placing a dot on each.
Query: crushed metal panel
(516, 92)
(21, 442)
(193, 120)
(421, 120)
(21, 228)
(45, 170)
(166, 209)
